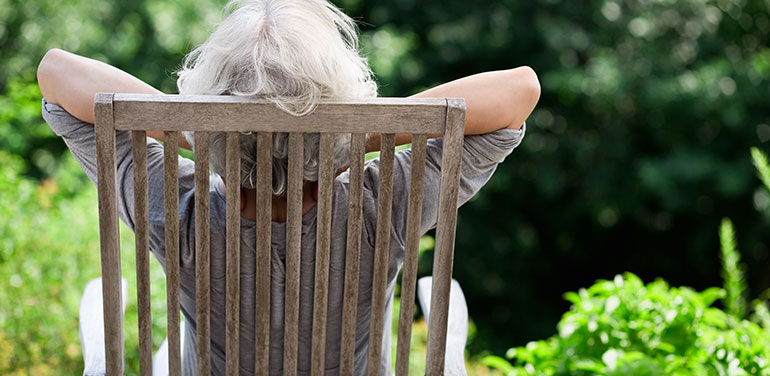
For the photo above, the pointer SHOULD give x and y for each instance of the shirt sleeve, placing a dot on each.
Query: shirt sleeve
(480, 157)
(80, 139)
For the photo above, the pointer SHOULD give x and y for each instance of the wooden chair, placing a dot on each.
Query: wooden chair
(204, 114)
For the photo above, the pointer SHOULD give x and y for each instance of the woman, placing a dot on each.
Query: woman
(294, 53)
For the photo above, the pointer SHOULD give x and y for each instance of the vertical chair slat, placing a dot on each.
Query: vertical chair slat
(264, 216)
(445, 235)
(323, 244)
(381, 253)
(293, 247)
(171, 205)
(409, 273)
(202, 253)
(233, 254)
(141, 229)
(352, 253)
(109, 237)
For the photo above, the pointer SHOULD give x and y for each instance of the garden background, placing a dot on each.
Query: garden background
(638, 149)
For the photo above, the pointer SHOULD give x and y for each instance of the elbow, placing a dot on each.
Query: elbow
(525, 94)
(47, 73)
(529, 86)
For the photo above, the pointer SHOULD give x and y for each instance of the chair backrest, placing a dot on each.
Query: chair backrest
(204, 114)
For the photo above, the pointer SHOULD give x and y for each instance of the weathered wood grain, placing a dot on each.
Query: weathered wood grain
(323, 244)
(171, 202)
(226, 113)
(264, 216)
(141, 231)
(409, 272)
(233, 252)
(109, 237)
(172, 113)
(293, 248)
(381, 253)
(352, 253)
(202, 253)
(445, 235)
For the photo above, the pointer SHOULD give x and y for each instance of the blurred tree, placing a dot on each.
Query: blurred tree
(145, 38)
(634, 154)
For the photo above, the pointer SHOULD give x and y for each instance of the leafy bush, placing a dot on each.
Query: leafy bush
(624, 327)
(40, 289)
(49, 250)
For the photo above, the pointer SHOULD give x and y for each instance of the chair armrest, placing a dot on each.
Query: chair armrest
(160, 359)
(92, 326)
(457, 324)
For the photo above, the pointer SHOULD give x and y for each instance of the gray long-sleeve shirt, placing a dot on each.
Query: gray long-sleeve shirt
(481, 154)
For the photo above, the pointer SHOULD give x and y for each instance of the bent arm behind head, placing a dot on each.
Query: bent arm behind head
(493, 101)
(71, 81)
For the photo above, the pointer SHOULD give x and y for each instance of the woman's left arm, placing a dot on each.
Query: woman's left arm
(71, 81)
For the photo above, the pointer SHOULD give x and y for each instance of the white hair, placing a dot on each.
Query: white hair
(292, 52)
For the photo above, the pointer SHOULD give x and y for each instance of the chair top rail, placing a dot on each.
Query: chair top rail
(152, 112)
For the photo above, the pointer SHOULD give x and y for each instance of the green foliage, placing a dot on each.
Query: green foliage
(48, 252)
(22, 130)
(145, 38)
(732, 271)
(38, 317)
(763, 168)
(624, 327)
(637, 146)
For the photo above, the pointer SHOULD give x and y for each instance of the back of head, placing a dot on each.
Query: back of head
(294, 53)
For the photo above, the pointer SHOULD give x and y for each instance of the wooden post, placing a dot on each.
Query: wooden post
(109, 237)
(233, 252)
(323, 246)
(202, 253)
(445, 235)
(381, 254)
(171, 211)
(352, 253)
(263, 247)
(141, 229)
(409, 273)
(293, 249)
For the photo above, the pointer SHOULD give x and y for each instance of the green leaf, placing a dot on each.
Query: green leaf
(710, 295)
(572, 297)
(760, 163)
(732, 271)
(497, 363)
